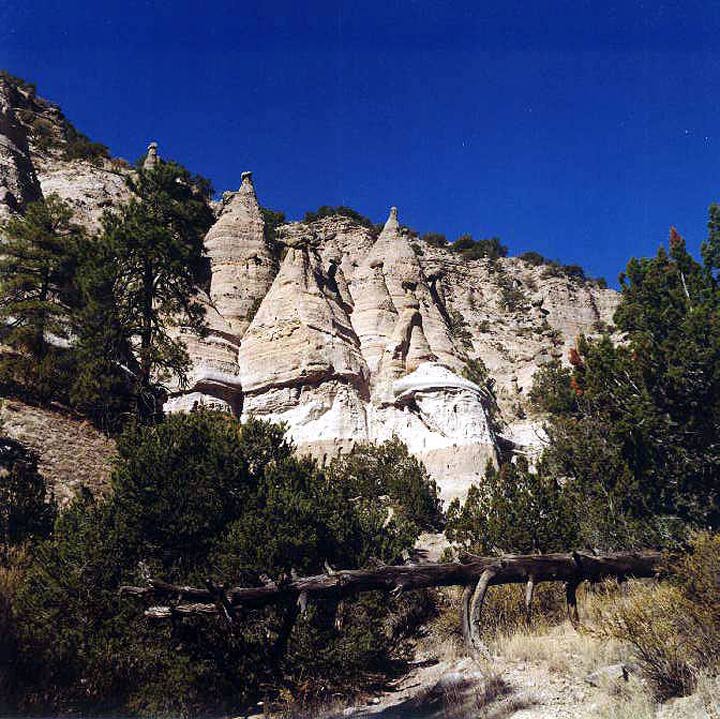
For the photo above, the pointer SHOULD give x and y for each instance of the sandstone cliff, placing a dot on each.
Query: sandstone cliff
(344, 333)
(358, 336)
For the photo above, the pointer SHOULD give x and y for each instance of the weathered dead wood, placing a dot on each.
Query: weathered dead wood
(571, 598)
(477, 575)
(529, 593)
(476, 605)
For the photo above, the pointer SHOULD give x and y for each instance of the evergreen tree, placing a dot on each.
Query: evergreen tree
(37, 268)
(388, 470)
(138, 287)
(27, 508)
(513, 510)
(639, 444)
(200, 496)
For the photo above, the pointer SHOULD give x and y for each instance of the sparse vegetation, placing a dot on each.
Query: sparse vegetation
(553, 268)
(673, 627)
(435, 239)
(512, 296)
(329, 211)
(459, 329)
(490, 248)
(28, 87)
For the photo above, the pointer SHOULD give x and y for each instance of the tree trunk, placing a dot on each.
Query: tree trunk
(513, 569)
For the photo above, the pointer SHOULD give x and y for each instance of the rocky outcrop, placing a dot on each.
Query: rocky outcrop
(359, 337)
(72, 454)
(242, 260)
(444, 420)
(342, 330)
(300, 360)
(89, 188)
(18, 181)
(214, 378)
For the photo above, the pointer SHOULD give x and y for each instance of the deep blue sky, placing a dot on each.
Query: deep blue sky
(579, 129)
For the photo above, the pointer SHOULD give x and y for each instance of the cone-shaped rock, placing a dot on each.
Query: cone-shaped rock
(152, 158)
(300, 334)
(242, 261)
(300, 360)
(382, 290)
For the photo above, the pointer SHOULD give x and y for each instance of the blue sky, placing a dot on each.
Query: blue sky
(580, 129)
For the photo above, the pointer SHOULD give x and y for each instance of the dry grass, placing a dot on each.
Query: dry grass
(673, 627)
(635, 704)
(72, 452)
(562, 649)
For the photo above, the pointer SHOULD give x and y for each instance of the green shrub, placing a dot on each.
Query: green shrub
(273, 220)
(27, 508)
(80, 147)
(534, 259)
(435, 239)
(388, 470)
(459, 329)
(512, 511)
(471, 249)
(328, 211)
(201, 496)
(553, 268)
(551, 390)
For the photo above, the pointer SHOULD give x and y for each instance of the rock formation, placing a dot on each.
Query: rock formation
(242, 260)
(18, 181)
(214, 379)
(151, 158)
(344, 333)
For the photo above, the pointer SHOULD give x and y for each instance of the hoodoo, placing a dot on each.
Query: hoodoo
(152, 158)
(343, 331)
(242, 259)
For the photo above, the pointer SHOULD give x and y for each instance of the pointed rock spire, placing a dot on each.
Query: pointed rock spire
(300, 334)
(242, 260)
(152, 158)
(392, 224)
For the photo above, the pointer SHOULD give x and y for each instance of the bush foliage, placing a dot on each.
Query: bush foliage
(674, 627)
(330, 211)
(201, 496)
(472, 249)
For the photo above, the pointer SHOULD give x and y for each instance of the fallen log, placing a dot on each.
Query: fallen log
(476, 574)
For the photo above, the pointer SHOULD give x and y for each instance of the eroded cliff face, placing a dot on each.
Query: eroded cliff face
(347, 335)
(18, 181)
(360, 336)
(344, 334)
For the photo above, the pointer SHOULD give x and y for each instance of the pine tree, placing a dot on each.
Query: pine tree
(138, 286)
(36, 294)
